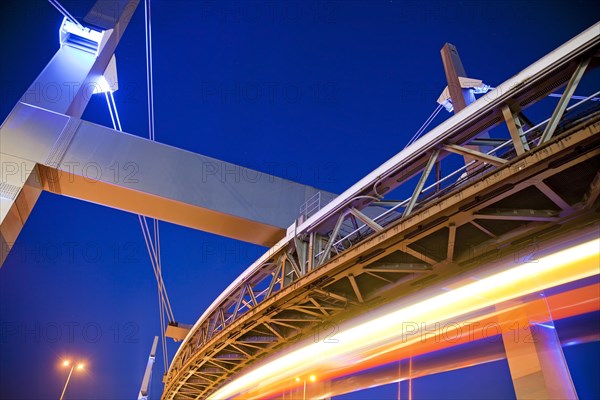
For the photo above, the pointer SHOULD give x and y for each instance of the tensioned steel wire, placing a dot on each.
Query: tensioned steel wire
(151, 237)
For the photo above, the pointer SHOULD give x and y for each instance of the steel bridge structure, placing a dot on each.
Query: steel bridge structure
(526, 186)
(489, 188)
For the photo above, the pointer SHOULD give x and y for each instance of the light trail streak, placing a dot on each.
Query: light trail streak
(578, 262)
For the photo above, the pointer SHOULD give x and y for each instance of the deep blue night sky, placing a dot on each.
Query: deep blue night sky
(318, 92)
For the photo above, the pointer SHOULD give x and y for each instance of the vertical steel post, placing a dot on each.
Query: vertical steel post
(535, 357)
(73, 73)
(145, 388)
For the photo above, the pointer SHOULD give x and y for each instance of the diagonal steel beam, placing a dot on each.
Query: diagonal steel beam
(239, 302)
(453, 148)
(516, 131)
(414, 253)
(421, 183)
(274, 280)
(481, 228)
(251, 293)
(332, 238)
(564, 101)
(273, 330)
(379, 276)
(366, 220)
(319, 306)
(593, 191)
(71, 75)
(355, 288)
(552, 195)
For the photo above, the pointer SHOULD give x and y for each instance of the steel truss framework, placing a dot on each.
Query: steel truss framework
(537, 181)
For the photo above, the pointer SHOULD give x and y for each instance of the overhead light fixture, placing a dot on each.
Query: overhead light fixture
(80, 37)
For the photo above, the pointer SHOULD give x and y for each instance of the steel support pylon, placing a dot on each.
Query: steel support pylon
(74, 73)
(534, 353)
(46, 146)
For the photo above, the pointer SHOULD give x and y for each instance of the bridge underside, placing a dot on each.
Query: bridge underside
(548, 193)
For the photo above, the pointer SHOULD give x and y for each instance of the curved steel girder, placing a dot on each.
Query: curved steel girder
(458, 209)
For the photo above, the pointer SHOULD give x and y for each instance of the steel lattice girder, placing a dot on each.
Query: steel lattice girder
(524, 89)
(456, 212)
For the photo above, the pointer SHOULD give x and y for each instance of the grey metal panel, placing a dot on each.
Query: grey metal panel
(19, 191)
(188, 177)
(34, 132)
(57, 86)
(104, 14)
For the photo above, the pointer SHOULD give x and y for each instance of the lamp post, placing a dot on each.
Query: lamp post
(311, 378)
(68, 363)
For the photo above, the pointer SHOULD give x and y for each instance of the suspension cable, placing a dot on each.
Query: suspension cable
(155, 265)
(64, 12)
(152, 246)
(573, 97)
(151, 135)
(417, 134)
(425, 125)
(149, 70)
(150, 242)
(112, 97)
(112, 117)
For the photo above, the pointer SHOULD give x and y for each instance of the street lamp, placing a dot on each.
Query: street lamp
(79, 366)
(311, 378)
